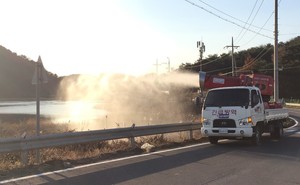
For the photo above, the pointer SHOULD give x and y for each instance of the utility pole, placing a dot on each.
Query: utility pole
(276, 81)
(169, 65)
(156, 64)
(201, 47)
(232, 52)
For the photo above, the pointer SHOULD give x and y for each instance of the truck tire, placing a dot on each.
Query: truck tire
(257, 137)
(272, 131)
(213, 140)
(278, 130)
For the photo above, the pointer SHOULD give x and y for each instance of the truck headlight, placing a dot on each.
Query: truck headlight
(245, 121)
(205, 122)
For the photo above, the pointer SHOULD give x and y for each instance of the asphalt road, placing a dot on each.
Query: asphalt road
(230, 162)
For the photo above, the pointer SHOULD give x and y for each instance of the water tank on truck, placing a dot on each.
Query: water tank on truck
(263, 82)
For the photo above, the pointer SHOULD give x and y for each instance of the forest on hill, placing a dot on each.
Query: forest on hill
(16, 71)
(259, 60)
(16, 74)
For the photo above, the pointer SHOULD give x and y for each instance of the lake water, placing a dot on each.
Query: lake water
(87, 115)
(84, 115)
(57, 111)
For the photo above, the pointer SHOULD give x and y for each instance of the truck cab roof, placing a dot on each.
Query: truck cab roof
(236, 87)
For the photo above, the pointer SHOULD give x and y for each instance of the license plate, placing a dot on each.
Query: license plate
(223, 131)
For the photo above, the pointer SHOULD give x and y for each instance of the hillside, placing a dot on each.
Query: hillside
(16, 74)
(260, 60)
(16, 71)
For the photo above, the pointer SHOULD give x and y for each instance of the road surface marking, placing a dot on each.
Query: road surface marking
(99, 163)
(115, 160)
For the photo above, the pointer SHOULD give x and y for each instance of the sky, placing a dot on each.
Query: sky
(131, 36)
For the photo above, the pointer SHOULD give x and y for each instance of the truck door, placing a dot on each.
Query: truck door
(257, 109)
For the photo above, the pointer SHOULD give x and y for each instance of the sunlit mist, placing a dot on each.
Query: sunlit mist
(118, 100)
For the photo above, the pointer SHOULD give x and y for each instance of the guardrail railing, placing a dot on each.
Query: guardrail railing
(56, 140)
(293, 104)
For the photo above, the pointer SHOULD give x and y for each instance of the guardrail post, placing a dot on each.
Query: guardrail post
(132, 142)
(38, 156)
(24, 153)
(191, 134)
(24, 158)
(131, 139)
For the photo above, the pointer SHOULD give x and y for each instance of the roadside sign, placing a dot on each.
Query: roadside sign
(39, 77)
(41, 72)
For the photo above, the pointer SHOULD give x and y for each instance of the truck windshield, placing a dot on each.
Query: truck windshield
(227, 97)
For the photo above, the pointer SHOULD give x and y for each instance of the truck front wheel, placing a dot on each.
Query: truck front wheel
(278, 130)
(213, 140)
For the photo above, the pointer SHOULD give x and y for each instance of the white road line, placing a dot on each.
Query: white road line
(295, 122)
(99, 163)
(114, 160)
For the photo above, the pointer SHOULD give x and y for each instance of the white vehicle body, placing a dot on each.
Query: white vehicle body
(238, 113)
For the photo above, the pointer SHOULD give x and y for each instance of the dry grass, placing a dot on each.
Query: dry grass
(17, 128)
(11, 161)
(76, 152)
(72, 155)
(85, 151)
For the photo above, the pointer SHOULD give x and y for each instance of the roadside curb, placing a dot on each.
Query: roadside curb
(296, 123)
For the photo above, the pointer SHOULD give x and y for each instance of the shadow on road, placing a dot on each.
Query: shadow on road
(138, 167)
(287, 148)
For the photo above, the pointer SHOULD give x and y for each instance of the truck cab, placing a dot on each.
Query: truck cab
(236, 113)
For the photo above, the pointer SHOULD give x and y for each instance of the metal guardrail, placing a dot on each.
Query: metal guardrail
(56, 140)
(293, 104)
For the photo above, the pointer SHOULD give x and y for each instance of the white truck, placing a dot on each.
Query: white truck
(239, 112)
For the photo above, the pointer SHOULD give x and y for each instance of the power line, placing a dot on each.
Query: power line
(224, 74)
(258, 57)
(246, 23)
(289, 34)
(252, 20)
(224, 19)
(214, 60)
(219, 70)
(283, 68)
(271, 69)
(247, 20)
(260, 28)
(200, 65)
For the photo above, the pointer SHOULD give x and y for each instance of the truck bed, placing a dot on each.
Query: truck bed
(276, 114)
